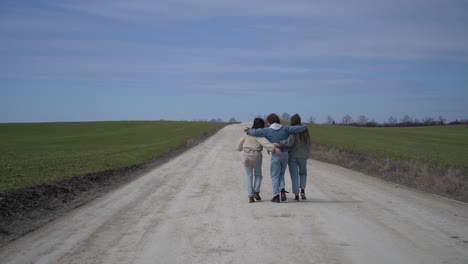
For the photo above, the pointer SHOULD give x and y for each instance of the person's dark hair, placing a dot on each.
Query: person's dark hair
(304, 136)
(273, 118)
(258, 123)
(295, 120)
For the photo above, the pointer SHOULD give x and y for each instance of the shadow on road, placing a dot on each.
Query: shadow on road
(323, 201)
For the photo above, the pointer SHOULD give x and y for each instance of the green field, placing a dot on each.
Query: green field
(32, 154)
(440, 146)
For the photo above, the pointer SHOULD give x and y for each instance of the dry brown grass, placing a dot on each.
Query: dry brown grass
(448, 182)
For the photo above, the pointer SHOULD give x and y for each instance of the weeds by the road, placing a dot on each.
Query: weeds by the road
(445, 181)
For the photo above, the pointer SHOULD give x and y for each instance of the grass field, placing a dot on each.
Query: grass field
(32, 154)
(440, 146)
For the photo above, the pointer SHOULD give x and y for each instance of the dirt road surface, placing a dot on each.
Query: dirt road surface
(194, 209)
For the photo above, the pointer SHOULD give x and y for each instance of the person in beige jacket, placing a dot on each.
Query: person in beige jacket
(251, 148)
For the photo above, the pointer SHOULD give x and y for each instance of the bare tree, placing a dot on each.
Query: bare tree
(363, 120)
(441, 120)
(330, 120)
(392, 121)
(372, 123)
(285, 117)
(347, 119)
(428, 120)
(407, 120)
(312, 120)
(232, 120)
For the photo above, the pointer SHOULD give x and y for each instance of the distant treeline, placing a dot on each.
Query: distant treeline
(406, 121)
(363, 121)
(218, 120)
(404, 124)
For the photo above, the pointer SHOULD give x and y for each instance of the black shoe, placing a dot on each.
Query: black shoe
(251, 200)
(296, 197)
(275, 199)
(257, 196)
(283, 195)
(303, 196)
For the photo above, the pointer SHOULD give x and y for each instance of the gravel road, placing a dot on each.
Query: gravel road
(194, 209)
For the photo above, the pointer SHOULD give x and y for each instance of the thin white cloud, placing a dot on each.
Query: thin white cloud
(206, 9)
(195, 9)
(355, 29)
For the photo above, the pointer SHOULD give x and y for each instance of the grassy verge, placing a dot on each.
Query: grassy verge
(33, 154)
(431, 159)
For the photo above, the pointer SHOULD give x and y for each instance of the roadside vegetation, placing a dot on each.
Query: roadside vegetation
(433, 159)
(37, 153)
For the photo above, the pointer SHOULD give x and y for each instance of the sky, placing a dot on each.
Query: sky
(93, 60)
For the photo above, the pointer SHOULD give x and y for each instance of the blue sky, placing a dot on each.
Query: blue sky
(201, 59)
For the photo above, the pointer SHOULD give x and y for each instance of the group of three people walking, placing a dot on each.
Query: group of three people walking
(289, 146)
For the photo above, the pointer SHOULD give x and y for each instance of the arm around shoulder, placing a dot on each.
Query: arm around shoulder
(296, 129)
(259, 132)
(288, 142)
(265, 143)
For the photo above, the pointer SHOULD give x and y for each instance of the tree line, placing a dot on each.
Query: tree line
(218, 120)
(405, 121)
(364, 121)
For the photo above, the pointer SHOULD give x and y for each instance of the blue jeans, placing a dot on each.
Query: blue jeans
(298, 172)
(277, 170)
(252, 160)
(250, 171)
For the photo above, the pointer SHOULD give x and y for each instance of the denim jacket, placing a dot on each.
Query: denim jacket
(276, 132)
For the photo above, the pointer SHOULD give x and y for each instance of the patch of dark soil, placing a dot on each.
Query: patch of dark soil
(447, 182)
(25, 210)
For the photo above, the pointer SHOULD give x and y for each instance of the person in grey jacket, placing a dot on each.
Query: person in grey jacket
(299, 152)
